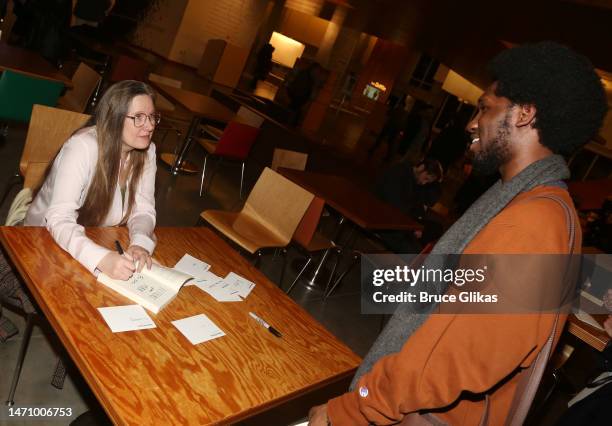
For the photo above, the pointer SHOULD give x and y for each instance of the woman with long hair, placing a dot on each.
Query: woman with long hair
(104, 175)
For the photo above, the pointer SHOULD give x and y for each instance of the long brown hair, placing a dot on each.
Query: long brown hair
(109, 118)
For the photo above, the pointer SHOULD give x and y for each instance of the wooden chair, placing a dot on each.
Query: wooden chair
(235, 144)
(85, 80)
(288, 159)
(308, 241)
(48, 130)
(243, 115)
(269, 217)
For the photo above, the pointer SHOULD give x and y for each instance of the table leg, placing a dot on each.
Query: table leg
(178, 162)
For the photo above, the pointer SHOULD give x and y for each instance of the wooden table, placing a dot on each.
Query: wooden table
(202, 107)
(156, 376)
(597, 339)
(30, 63)
(352, 201)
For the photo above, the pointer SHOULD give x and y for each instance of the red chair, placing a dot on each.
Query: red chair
(235, 144)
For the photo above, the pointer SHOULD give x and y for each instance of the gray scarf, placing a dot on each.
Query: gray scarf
(405, 321)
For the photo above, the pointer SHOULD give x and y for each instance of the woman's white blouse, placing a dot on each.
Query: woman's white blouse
(63, 193)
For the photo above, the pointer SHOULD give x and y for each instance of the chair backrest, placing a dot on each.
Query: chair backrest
(288, 159)
(310, 221)
(49, 129)
(236, 140)
(165, 80)
(128, 68)
(246, 116)
(84, 80)
(19, 92)
(35, 174)
(277, 203)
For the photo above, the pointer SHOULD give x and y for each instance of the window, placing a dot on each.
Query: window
(424, 72)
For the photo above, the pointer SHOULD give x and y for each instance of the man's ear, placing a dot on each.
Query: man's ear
(526, 115)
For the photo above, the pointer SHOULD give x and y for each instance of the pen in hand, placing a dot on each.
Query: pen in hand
(121, 252)
(119, 248)
(266, 325)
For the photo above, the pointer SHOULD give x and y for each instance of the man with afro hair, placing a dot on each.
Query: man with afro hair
(545, 100)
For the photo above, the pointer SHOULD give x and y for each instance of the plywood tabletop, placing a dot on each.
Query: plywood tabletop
(156, 376)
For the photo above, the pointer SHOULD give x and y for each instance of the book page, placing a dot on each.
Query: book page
(168, 276)
(144, 290)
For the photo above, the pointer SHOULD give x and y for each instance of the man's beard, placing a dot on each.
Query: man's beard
(497, 152)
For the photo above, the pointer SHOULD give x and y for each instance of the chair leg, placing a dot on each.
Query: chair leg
(179, 135)
(20, 358)
(331, 275)
(241, 180)
(320, 265)
(343, 274)
(257, 260)
(282, 276)
(203, 174)
(212, 174)
(299, 274)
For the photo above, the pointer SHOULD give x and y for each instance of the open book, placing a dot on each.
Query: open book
(152, 288)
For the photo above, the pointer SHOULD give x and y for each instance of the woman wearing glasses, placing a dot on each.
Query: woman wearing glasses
(104, 175)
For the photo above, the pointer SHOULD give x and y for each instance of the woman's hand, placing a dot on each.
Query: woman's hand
(140, 256)
(117, 266)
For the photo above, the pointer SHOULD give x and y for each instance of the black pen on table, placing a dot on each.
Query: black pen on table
(266, 325)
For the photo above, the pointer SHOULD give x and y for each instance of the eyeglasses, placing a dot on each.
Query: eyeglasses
(139, 119)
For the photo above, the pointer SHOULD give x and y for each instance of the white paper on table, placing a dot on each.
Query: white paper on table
(126, 318)
(205, 280)
(219, 289)
(240, 285)
(192, 266)
(198, 329)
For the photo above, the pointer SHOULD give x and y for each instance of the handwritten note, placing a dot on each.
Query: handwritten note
(239, 285)
(126, 318)
(218, 288)
(192, 266)
(198, 329)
